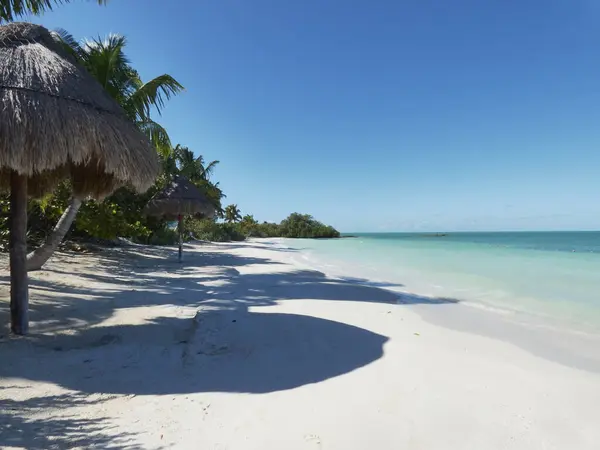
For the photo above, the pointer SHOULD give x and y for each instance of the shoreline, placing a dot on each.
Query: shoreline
(243, 347)
(542, 335)
(432, 282)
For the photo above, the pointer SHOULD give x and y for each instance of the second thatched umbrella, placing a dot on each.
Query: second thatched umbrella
(180, 198)
(57, 122)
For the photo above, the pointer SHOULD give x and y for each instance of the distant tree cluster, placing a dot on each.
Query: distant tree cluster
(305, 226)
(237, 227)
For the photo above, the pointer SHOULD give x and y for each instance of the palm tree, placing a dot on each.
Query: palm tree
(249, 220)
(232, 214)
(215, 194)
(107, 62)
(248, 224)
(193, 168)
(12, 9)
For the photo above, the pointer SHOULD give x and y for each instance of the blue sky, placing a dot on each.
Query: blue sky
(380, 116)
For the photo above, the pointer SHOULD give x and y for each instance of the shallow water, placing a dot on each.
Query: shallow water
(551, 277)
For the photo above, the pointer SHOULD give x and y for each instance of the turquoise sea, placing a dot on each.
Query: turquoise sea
(543, 277)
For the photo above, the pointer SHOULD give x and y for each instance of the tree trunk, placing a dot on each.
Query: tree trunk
(37, 258)
(19, 295)
(180, 226)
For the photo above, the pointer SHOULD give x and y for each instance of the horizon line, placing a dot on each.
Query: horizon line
(471, 231)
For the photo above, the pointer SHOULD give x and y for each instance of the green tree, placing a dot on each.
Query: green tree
(248, 220)
(248, 225)
(193, 168)
(106, 61)
(232, 214)
(12, 9)
(267, 229)
(305, 226)
(210, 230)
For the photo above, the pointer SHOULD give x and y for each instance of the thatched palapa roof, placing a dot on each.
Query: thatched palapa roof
(57, 121)
(180, 197)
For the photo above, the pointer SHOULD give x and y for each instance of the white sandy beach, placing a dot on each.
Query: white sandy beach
(244, 347)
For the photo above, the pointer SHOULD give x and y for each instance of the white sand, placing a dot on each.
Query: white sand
(242, 348)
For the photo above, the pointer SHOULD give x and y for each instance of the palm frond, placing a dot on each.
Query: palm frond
(185, 156)
(157, 135)
(106, 61)
(44, 202)
(70, 44)
(208, 170)
(12, 9)
(190, 166)
(154, 93)
(170, 165)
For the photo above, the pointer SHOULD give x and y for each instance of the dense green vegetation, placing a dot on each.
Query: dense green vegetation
(294, 226)
(121, 215)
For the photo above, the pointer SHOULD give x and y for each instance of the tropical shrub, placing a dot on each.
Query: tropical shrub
(209, 230)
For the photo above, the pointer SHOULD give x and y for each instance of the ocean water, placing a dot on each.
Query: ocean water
(544, 277)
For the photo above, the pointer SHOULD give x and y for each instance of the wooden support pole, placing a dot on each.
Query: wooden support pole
(19, 295)
(180, 226)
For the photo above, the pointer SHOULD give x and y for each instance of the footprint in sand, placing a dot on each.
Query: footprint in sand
(315, 439)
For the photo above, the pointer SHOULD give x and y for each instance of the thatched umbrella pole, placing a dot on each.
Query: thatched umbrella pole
(19, 295)
(180, 228)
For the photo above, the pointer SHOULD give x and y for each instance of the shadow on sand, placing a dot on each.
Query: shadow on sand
(214, 344)
(20, 427)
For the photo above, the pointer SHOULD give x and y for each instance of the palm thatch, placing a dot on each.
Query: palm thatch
(57, 121)
(180, 198)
